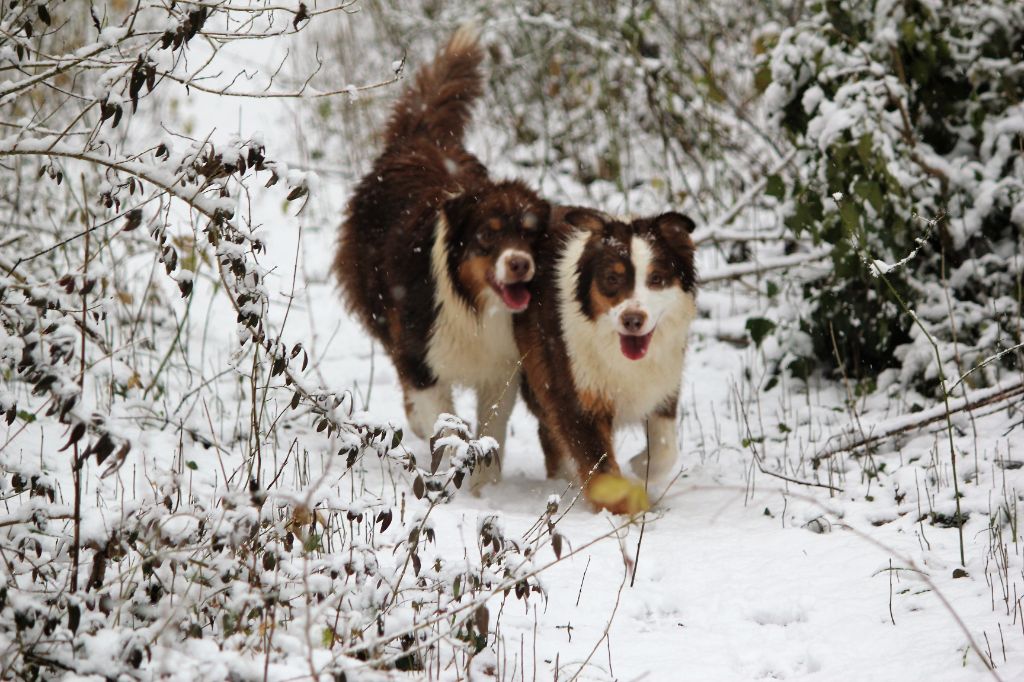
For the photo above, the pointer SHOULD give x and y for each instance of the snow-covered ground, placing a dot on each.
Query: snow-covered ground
(740, 575)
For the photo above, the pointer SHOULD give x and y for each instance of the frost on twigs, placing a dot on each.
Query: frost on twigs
(182, 498)
(451, 438)
(242, 569)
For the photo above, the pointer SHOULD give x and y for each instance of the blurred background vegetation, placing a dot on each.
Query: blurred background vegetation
(875, 129)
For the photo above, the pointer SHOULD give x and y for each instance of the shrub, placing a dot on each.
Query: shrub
(148, 542)
(908, 121)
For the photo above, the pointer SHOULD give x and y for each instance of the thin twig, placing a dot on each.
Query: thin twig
(996, 394)
(643, 519)
(760, 463)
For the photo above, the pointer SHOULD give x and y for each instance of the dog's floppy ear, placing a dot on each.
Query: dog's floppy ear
(585, 219)
(537, 215)
(457, 211)
(673, 230)
(672, 223)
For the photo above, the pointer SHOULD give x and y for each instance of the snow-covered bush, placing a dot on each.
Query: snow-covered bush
(175, 503)
(909, 126)
(649, 101)
(208, 582)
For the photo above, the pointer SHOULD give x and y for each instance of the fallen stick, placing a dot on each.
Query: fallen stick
(715, 226)
(737, 270)
(887, 429)
(727, 235)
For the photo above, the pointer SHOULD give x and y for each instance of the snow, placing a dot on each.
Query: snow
(110, 35)
(739, 576)
(881, 267)
(812, 98)
(179, 527)
(730, 584)
(833, 120)
(1017, 215)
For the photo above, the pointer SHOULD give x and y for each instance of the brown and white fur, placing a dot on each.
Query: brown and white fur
(436, 258)
(604, 341)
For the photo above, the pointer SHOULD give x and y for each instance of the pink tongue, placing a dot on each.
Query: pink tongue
(634, 347)
(515, 296)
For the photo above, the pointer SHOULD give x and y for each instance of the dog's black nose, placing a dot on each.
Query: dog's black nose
(633, 321)
(518, 266)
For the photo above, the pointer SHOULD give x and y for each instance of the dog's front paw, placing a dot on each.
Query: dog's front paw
(660, 467)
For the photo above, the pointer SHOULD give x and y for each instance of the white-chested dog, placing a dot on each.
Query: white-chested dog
(604, 342)
(436, 258)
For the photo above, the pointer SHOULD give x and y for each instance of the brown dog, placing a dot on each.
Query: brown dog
(604, 341)
(436, 258)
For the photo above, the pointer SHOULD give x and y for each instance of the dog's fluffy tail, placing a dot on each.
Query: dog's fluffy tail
(437, 105)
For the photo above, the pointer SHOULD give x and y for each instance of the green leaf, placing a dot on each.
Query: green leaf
(763, 77)
(840, 152)
(801, 367)
(191, 465)
(758, 328)
(849, 213)
(774, 187)
(26, 417)
(771, 289)
(807, 216)
(865, 147)
(869, 191)
(909, 32)
(803, 219)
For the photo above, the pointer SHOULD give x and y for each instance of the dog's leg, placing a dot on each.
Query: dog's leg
(588, 432)
(662, 448)
(424, 405)
(425, 397)
(588, 439)
(494, 406)
(556, 463)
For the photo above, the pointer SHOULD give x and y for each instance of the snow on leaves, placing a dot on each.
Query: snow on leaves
(907, 125)
(97, 581)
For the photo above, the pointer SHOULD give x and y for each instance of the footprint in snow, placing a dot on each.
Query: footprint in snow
(778, 614)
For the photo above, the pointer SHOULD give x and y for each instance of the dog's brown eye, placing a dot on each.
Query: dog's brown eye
(656, 280)
(494, 224)
(614, 275)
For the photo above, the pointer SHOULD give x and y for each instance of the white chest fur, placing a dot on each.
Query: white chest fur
(465, 347)
(635, 387)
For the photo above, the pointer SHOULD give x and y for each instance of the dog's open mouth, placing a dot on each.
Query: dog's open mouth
(635, 347)
(515, 296)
